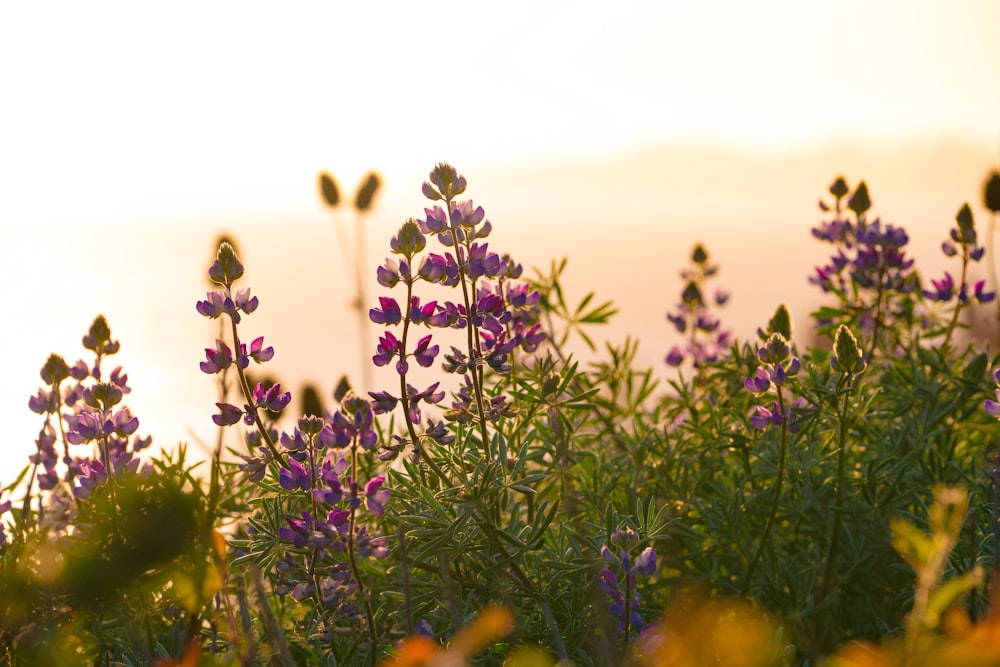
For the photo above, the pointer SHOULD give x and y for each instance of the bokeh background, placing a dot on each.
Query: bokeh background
(617, 134)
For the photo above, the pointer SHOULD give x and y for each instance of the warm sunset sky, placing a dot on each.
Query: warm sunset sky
(131, 135)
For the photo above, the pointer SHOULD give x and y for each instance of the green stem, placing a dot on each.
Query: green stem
(248, 396)
(363, 592)
(475, 355)
(958, 302)
(774, 504)
(831, 553)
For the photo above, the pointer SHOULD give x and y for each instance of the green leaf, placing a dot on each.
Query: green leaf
(912, 544)
(948, 593)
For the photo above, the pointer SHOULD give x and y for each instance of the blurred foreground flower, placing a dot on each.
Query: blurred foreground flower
(421, 651)
(697, 631)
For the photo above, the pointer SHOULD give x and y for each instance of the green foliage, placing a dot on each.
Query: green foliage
(809, 481)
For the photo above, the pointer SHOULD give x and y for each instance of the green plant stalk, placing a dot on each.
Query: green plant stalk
(405, 397)
(363, 591)
(879, 303)
(248, 396)
(765, 536)
(838, 501)
(475, 353)
(958, 302)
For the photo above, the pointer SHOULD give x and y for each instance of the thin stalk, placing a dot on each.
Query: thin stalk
(363, 591)
(475, 356)
(404, 395)
(774, 504)
(958, 302)
(831, 553)
(248, 395)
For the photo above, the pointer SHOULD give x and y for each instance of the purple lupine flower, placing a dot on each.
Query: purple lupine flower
(271, 399)
(763, 418)
(424, 352)
(214, 304)
(259, 353)
(375, 496)
(297, 531)
(389, 313)
(228, 414)
(389, 274)
(645, 562)
(218, 358)
(759, 382)
(245, 302)
(122, 423)
(44, 402)
(388, 347)
(435, 221)
(383, 402)
(295, 476)
(982, 296)
(943, 290)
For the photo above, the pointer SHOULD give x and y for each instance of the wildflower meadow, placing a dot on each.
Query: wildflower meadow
(500, 502)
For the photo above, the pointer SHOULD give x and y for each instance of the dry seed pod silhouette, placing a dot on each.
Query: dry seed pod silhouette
(328, 188)
(366, 193)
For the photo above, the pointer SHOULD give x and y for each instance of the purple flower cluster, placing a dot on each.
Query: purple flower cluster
(777, 364)
(324, 540)
(498, 314)
(87, 410)
(316, 466)
(621, 587)
(226, 270)
(868, 258)
(963, 242)
(694, 317)
(991, 406)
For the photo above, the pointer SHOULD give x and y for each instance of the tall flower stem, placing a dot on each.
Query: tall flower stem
(765, 536)
(958, 301)
(352, 558)
(248, 396)
(830, 567)
(475, 354)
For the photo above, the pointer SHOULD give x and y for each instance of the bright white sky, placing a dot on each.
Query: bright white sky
(113, 108)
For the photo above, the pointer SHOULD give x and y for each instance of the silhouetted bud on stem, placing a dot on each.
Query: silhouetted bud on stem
(691, 294)
(847, 355)
(859, 201)
(839, 187)
(781, 322)
(328, 188)
(366, 193)
(991, 192)
(311, 403)
(342, 389)
(699, 256)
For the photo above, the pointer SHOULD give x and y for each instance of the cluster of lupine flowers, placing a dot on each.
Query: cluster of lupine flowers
(694, 316)
(869, 257)
(963, 242)
(498, 314)
(777, 364)
(87, 410)
(316, 460)
(619, 577)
